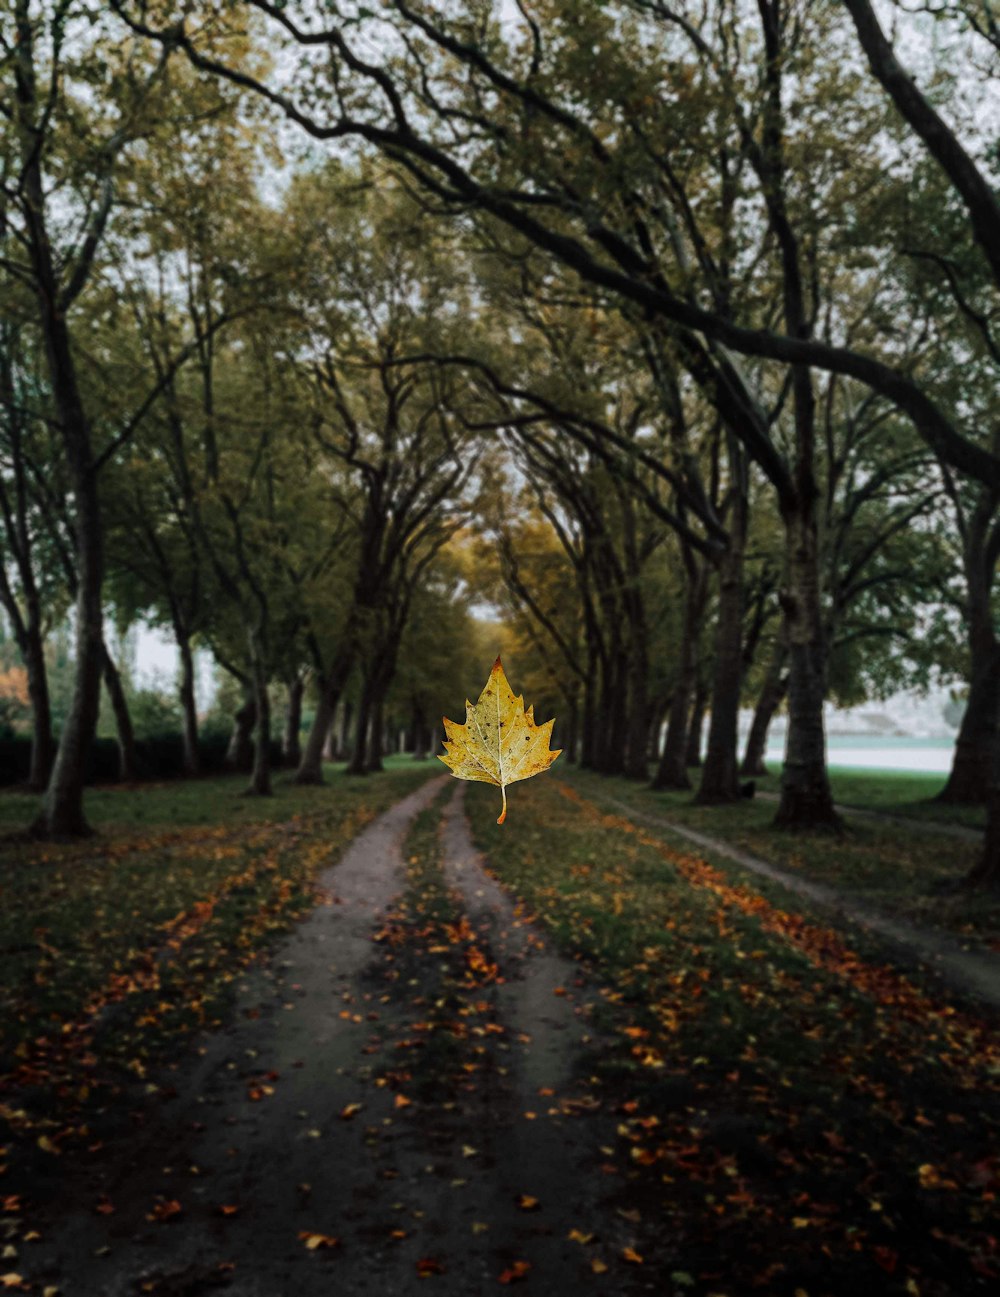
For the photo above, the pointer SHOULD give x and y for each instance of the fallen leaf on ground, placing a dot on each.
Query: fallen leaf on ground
(165, 1209)
(314, 1241)
(518, 1270)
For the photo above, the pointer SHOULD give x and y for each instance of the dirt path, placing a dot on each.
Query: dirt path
(970, 972)
(262, 1178)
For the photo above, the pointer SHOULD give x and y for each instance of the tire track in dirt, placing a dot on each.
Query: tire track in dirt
(255, 1125)
(300, 1123)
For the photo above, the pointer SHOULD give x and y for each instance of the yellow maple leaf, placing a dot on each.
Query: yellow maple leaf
(499, 742)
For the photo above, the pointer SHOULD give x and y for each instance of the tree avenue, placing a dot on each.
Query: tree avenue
(652, 342)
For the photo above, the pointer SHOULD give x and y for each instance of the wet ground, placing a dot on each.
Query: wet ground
(368, 1122)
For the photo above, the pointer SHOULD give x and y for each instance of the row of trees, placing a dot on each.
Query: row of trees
(681, 316)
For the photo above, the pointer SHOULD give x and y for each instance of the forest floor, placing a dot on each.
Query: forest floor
(563, 1054)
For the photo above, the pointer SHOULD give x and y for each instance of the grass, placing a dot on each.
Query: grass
(807, 1114)
(430, 949)
(907, 793)
(113, 809)
(111, 948)
(888, 865)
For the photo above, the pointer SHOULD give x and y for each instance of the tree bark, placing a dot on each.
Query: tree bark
(260, 775)
(310, 769)
(806, 799)
(588, 741)
(421, 734)
(373, 763)
(985, 873)
(62, 810)
(341, 741)
(696, 726)
(969, 781)
(358, 764)
(128, 767)
(720, 773)
(672, 769)
(610, 739)
(772, 692)
(42, 742)
(637, 732)
(189, 710)
(573, 730)
(291, 744)
(329, 689)
(239, 754)
(971, 772)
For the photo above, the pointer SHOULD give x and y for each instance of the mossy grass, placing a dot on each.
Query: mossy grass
(787, 1100)
(908, 870)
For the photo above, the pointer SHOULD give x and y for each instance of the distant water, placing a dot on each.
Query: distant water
(878, 752)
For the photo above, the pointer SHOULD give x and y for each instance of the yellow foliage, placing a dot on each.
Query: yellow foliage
(14, 686)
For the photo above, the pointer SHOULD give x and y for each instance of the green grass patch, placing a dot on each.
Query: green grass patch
(888, 865)
(911, 794)
(787, 1104)
(111, 948)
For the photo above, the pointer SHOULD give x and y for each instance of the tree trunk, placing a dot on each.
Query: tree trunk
(969, 779)
(421, 734)
(373, 763)
(291, 744)
(771, 694)
(189, 710)
(671, 771)
(329, 690)
(333, 748)
(62, 810)
(696, 725)
(310, 769)
(806, 799)
(572, 730)
(239, 754)
(42, 742)
(588, 739)
(260, 775)
(128, 767)
(610, 739)
(972, 765)
(637, 735)
(720, 773)
(985, 873)
(358, 764)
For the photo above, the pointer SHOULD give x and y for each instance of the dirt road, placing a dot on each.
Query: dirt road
(306, 1153)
